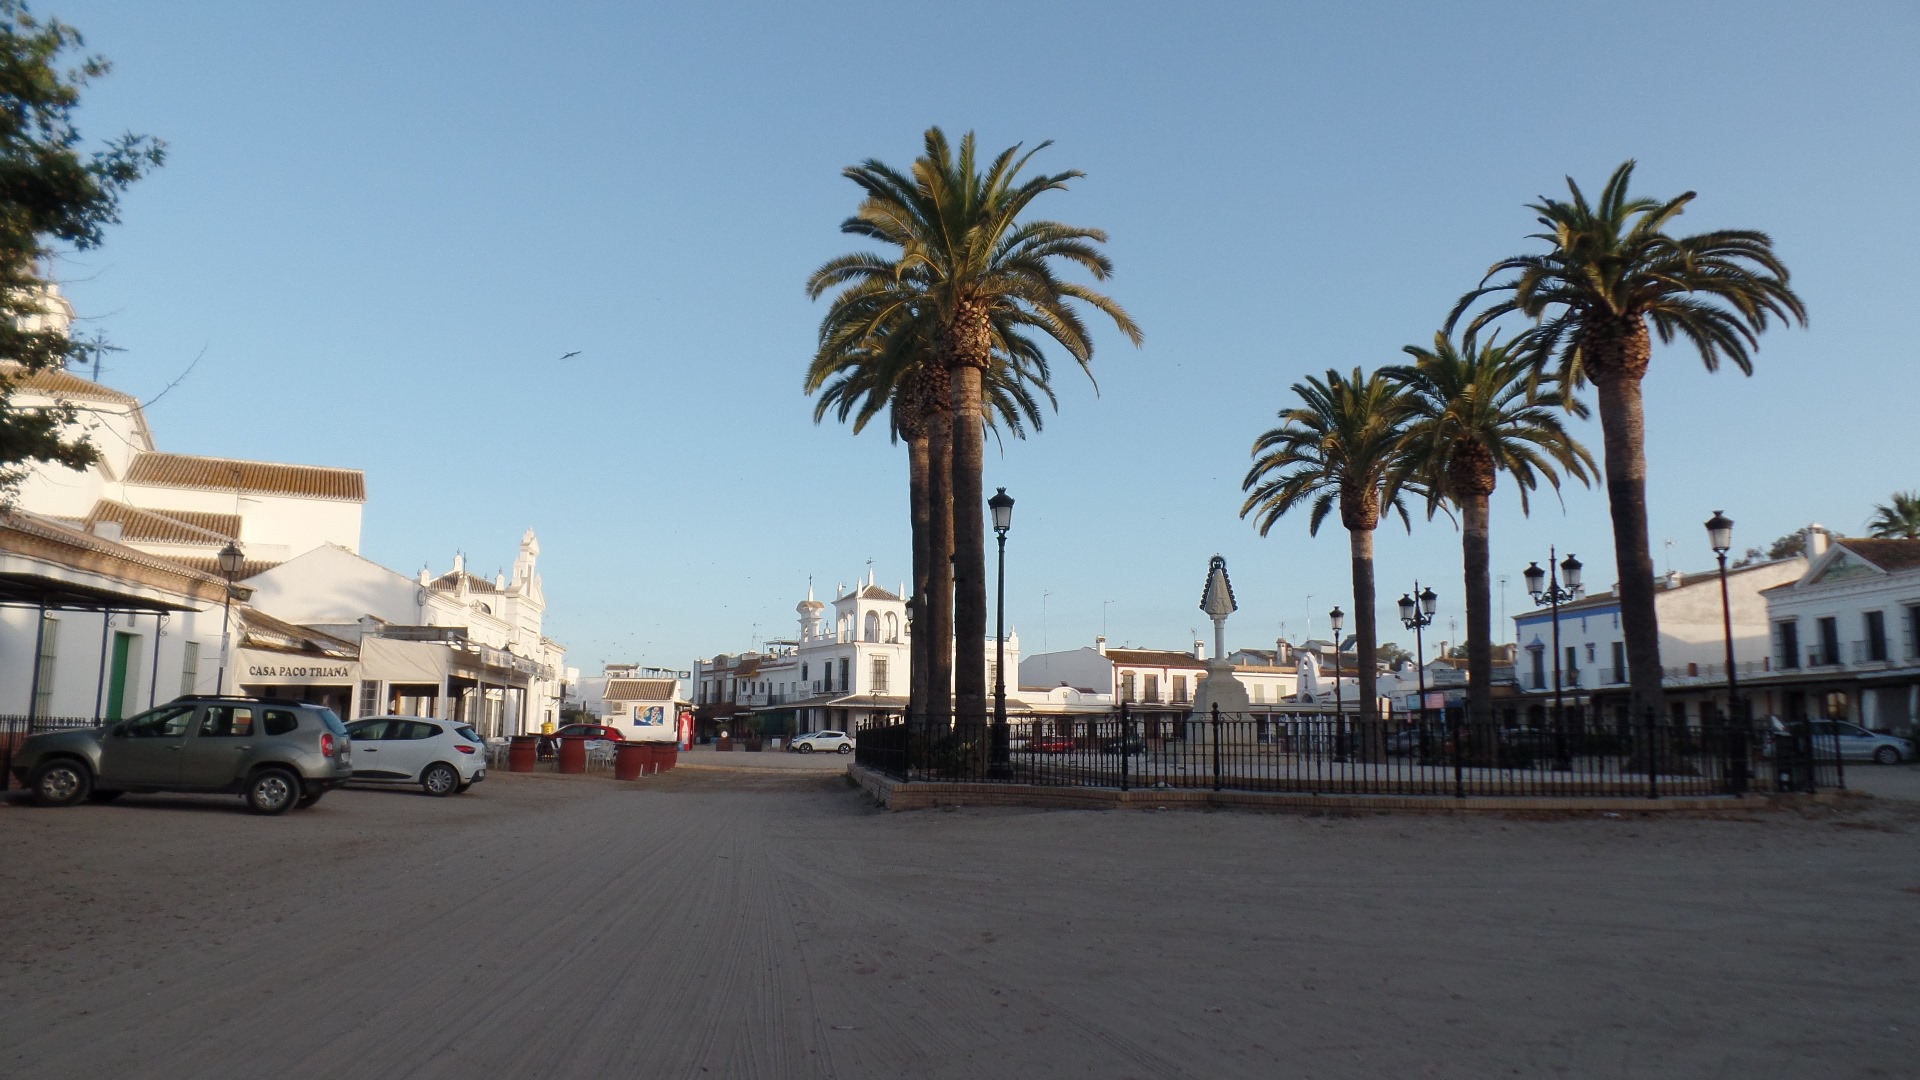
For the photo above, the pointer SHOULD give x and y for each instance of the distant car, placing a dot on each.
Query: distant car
(597, 734)
(820, 742)
(443, 757)
(278, 755)
(1858, 744)
(1128, 744)
(1052, 744)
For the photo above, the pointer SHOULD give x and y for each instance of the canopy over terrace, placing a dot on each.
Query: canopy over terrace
(450, 677)
(47, 566)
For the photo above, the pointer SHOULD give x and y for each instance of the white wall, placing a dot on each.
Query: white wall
(78, 677)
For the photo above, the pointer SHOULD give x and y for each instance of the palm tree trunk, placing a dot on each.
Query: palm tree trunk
(937, 718)
(969, 563)
(1373, 746)
(1476, 526)
(1622, 423)
(918, 464)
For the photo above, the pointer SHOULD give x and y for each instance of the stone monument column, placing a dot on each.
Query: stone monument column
(1219, 687)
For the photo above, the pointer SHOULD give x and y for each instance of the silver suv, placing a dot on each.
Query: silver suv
(278, 755)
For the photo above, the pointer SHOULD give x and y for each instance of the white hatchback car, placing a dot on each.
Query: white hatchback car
(821, 742)
(441, 756)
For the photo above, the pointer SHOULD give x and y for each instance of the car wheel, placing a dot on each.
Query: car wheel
(309, 798)
(60, 782)
(273, 791)
(845, 748)
(440, 779)
(806, 748)
(1886, 755)
(99, 796)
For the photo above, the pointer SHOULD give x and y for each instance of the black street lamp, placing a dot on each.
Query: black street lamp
(1002, 506)
(1337, 619)
(1720, 535)
(230, 559)
(1546, 588)
(1417, 615)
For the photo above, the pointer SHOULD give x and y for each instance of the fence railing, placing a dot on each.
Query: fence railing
(1437, 753)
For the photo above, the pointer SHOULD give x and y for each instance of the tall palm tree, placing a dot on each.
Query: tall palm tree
(1340, 447)
(971, 259)
(1613, 270)
(1478, 410)
(875, 358)
(1898, 518)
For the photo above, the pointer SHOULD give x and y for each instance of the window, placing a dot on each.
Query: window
(281, 721)
(803, 673)
(893, 628)
(1539, 679)
(1180, 688)
(166, 722)
(1913, 632)
(49, 652)
(409, 730)
(1259, 694)
(1153, 688)
(846, 687)
(1573, 666)
(1619, 661)
(1786, 643)
(873, 626)
(1589, 652)
(1876, 636)
(1126, 686)
(369, 697)
(227, 721)
(879, 675)
(1829, 641)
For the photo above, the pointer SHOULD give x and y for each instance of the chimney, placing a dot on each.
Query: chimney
(1816, 541)
(1100, 645)
(1671, 581)
(1199, 649)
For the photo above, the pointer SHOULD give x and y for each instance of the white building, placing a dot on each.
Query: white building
(1843, 637)
(1154, 681)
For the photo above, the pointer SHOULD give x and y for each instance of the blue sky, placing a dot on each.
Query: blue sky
(382, 224)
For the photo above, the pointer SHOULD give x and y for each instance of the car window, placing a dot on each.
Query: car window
(368, 730)
(330, 720)
(467, 733)
(231, 721)
(1856, 732)
(161, 723)
(408, 730)
(279, 721)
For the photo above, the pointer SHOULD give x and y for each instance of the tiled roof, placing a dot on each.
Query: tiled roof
(263, 631)
(49, 529)
(875, 592)
(210, 564)
(58, 382)
(1154, 658)
(1888, 555)
(641, 689)
(165, 527)
(450, 582)
(230, 474)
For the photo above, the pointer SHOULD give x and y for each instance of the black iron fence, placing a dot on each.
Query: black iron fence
(1433, 753)
(14, 729)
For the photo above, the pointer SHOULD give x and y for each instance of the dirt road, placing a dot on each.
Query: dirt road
(769, 924)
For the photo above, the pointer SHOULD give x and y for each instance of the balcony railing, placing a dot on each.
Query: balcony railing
(1871, 652)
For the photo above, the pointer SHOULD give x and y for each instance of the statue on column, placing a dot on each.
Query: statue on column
(1219, 687)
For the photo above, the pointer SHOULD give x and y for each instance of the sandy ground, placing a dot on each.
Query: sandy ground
(769, 923)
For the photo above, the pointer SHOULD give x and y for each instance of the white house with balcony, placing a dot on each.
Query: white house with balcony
(1845, 636)
(1593, 654)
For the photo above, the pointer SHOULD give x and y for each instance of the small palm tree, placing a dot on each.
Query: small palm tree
(1613, 270)
(1898, 518)
(1477, 411)
(1340, 447)
(966, 258)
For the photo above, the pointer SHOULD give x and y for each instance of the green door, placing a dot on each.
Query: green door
(117, 682)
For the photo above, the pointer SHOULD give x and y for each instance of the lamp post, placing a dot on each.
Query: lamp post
(1416, 613)
(231, 559)
(1546, 588)
(1720, 535)
(1337, 619)
(1002, 506)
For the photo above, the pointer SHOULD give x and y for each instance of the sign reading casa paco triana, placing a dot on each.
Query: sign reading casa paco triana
(260, 668)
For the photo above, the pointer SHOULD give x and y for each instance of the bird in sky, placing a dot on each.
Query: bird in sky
(570, 355)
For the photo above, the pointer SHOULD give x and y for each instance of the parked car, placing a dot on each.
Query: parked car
(278, 755)
(442, 756)
(597, 734)
(1858, 744)
(821, 742)
(1052, 744)
(1126, 744)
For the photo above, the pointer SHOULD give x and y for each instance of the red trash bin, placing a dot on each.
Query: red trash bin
(522, 752)
(630, 760)
(669, 756)
(573, 754)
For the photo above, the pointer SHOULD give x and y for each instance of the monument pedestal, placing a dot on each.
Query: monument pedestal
(1222, 689)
